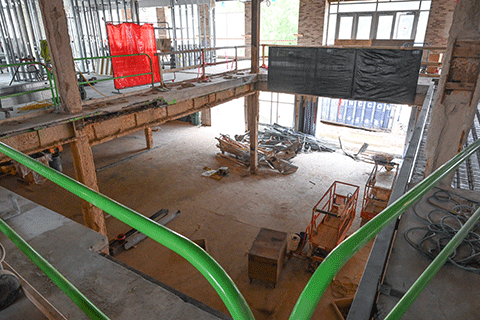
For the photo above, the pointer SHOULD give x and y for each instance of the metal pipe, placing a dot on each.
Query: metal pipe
(15, 39)
(203, 15)
(6, 42)
(181, 32)
(26, 36)
(174, 33)
(324, 274)
(18, 15)
(100, 33)
(189, 56)
(121, 56)
(208, 267)
(214, 32)
(412, 294)
(81, 43)
(125, 10)
(35, 38)
(93, 35)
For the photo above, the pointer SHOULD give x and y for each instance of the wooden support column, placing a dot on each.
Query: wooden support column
(253, 108)
(56, 30)
(149, 137)
(206, 117)
(253, 128)
(85, 171)
(459, 88)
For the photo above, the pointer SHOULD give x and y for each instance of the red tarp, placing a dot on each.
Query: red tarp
(130, 38)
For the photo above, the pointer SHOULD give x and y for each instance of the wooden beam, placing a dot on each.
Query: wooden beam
(255, 36)
(252, 100)
(253, 129)
(56, 31)
(206, 117)
(85, 171)
(458, 90)
(149, 137)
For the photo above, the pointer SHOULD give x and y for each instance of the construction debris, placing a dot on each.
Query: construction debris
(277, 145)
(129, 239)
(354, 156)
(215, 174)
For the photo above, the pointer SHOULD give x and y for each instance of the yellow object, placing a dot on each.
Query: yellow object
(44, 52)
(36, 105)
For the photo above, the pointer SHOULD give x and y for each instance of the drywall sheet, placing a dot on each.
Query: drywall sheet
(382, 75)
(132, 38)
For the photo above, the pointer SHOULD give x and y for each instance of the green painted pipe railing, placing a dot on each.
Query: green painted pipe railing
(49, 76)
(332, 264)
(208, 267)
(121, 77)
(408, 298)
(70, 290)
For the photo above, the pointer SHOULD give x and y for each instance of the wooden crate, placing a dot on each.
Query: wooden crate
(266, 256)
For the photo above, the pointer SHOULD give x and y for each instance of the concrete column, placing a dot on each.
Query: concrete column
(458, 89)
(206, 117)
(56, 30)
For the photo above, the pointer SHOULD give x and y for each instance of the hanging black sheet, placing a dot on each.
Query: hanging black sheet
(382, 75)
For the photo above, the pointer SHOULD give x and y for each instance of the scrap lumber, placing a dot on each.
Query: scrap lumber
(277, 145)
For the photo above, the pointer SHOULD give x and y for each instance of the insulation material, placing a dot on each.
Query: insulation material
(131, 38)
(382, 75)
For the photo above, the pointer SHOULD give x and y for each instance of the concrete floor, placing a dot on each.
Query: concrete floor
(227, 213)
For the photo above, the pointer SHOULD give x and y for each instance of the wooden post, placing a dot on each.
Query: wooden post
(458, 89)
(206, 117)
(253, 128)
(85, 171)
(56, 30)
(253, 99)
(149, 138)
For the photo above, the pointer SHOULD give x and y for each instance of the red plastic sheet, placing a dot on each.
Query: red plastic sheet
(131, 38)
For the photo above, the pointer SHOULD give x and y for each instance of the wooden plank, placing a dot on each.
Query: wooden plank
(56, 31)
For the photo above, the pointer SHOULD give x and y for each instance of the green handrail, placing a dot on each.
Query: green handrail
(49, 76)
(70, 290)
(201, 260)
(120, 56)
(402, 306)
(332, 264)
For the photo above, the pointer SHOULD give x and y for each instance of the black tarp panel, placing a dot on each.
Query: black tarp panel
(334, 72)
(295, 64)
(386, 75)
(382, 75)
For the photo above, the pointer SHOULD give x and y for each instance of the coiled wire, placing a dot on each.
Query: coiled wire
(442, 223)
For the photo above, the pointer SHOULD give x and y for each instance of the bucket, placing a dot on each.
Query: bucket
(292, 242)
